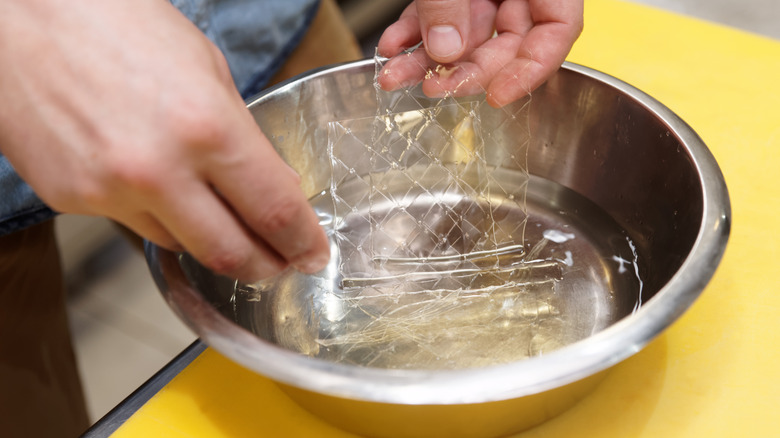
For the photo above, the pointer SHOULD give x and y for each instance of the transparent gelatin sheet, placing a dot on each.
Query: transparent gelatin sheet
(433, 263)
(446, 253)
(413, 187)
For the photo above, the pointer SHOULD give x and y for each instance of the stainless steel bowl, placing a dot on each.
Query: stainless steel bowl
(601, 152)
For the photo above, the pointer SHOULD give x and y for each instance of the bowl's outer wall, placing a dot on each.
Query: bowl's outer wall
(479, 420)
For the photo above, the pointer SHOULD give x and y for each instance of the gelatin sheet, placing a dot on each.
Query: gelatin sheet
(413, 186)
(430, 242)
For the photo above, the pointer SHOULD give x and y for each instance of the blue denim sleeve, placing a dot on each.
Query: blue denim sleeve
(19, 205)
(256, 36)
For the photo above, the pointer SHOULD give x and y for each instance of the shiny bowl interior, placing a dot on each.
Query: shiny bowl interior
(606, 154)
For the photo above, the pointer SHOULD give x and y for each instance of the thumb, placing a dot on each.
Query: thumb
(444, 25)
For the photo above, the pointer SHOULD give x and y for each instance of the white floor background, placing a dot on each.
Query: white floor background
(123, 330)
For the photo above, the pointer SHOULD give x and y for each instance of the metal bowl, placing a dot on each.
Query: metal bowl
(604, 156)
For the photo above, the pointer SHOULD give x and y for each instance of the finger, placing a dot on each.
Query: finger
(472, 73)
(557, 24)
(404, 70)
(207, 228)
(482, 24)
(264, 192)
(465, 78)
(401, 35)
(146, 226)
(445, 27)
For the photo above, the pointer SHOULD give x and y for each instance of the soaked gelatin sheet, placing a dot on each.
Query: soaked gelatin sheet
(413, 197)
(430, 242)
(413, 188)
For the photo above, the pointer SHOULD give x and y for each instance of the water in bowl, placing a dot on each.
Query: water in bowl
(575, 273)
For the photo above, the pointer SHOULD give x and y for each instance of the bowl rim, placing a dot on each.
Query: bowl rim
(478, 385)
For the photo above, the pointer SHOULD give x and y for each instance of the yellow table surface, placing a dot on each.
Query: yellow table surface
(714, 373)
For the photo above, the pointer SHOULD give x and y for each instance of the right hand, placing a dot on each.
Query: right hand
(532, 40)
(125, 109)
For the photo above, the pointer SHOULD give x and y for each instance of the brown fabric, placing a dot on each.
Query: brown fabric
(40, 390)
(328, 41)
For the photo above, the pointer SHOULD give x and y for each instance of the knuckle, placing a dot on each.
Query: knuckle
(198, 124)
(440, 11)
(222, 66)
(243, 263)
(136, 172)
(268, 269)
(94, 196)
(228, 262)
(579, 27)
(279, 216)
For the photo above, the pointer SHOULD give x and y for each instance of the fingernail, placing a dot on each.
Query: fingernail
(443, 41)
(314, 265)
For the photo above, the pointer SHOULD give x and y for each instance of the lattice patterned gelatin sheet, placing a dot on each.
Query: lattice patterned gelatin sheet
(433, 266)
(432, 257)
(413, 187)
